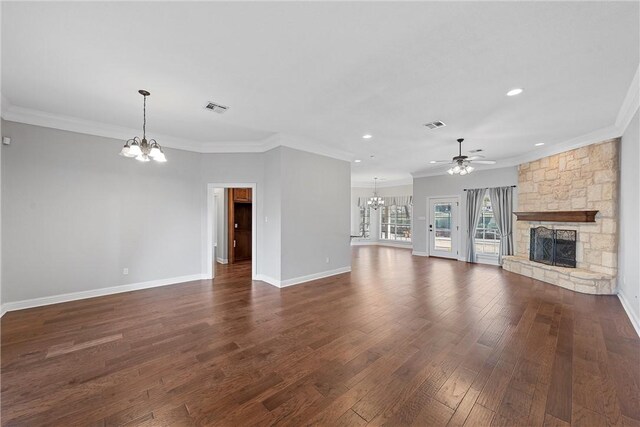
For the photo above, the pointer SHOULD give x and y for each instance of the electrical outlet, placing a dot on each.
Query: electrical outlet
(125, 271)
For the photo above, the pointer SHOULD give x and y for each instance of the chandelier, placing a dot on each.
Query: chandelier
(141, 149)
(375, 201)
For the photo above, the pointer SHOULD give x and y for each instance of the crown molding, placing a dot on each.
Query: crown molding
(383, 184)
(30, 116)
(630, 104)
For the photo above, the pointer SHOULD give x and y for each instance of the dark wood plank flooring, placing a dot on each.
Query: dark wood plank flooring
(401, 340)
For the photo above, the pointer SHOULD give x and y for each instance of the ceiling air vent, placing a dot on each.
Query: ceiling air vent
(435, 125)
(216, 108)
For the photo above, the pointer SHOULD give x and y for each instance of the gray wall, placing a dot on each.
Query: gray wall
(74, 214)
(315, 213)
(628, 253)
(272, 213)
(447, 185)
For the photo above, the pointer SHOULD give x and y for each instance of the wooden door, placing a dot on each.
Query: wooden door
(240, 222)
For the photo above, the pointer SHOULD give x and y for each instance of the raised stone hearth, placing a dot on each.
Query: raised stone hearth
(576, 279)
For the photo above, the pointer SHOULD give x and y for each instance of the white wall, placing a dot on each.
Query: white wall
(447, 185)
(374, 228)
(74, 214)
(628, 253)
(315, 214)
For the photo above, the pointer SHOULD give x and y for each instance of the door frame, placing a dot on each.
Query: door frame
(457, 220)
(210, 272)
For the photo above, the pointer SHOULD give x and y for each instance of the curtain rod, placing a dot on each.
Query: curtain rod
(481, 188)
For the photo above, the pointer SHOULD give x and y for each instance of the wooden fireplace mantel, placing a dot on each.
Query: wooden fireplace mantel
(558, 216)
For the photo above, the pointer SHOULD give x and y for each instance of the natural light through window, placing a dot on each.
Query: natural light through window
(487, 235)
(365, 221)
(395, 223)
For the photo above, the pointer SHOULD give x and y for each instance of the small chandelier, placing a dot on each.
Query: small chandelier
(375, 201)
(143, 150)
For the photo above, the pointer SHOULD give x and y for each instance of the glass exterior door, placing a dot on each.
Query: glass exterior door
(443, 227)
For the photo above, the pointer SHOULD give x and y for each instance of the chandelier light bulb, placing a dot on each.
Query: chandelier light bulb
(134, 149)
(125, 151)
(160, 158)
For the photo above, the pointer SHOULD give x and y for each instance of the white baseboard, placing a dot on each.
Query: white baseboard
(418, 253)
(222, 260)
(391, 244)
(632, 315)
(302, 279)
(73, 296)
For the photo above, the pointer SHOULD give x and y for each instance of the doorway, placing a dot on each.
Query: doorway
(443, 227)
(231, 237)
(239, 224)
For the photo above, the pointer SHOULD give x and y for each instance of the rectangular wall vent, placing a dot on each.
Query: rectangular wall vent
(435, 125)
(216, 108)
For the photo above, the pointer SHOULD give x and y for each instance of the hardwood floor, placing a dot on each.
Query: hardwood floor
(401, 340)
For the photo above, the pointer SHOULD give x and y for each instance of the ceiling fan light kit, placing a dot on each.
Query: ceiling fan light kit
(462, 164)
(141, 149)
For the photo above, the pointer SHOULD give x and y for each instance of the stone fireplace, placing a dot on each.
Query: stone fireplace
(576, 180)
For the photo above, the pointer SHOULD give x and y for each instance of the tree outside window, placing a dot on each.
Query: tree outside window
(395, 223)
(487, 239)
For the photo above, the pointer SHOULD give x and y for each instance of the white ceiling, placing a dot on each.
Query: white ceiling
(327, 73)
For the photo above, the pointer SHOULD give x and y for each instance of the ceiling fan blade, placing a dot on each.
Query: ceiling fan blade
(440, 161)
(484, 162)
(477, 156)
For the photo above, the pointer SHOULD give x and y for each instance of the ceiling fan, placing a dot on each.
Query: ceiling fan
(462, 164)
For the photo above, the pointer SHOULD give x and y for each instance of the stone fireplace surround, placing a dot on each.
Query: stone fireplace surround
(584, 178)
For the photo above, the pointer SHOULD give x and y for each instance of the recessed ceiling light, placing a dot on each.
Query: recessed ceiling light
(367, 136)
(514, 92)
(539, 144)
(357, 160)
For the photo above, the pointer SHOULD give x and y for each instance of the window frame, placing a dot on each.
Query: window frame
(393, 223)
(484, 229)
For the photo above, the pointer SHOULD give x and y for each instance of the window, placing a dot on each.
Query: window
(395, 223)
(487, 234)
(365, 221)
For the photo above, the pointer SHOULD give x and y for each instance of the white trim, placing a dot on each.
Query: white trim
(73, 296)
(208, 255)
(383, 184)
(222, 260)
(34, 117)
(630, 313)
(389, 243)
(630, 104)
(419, 253)
(301, 279)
